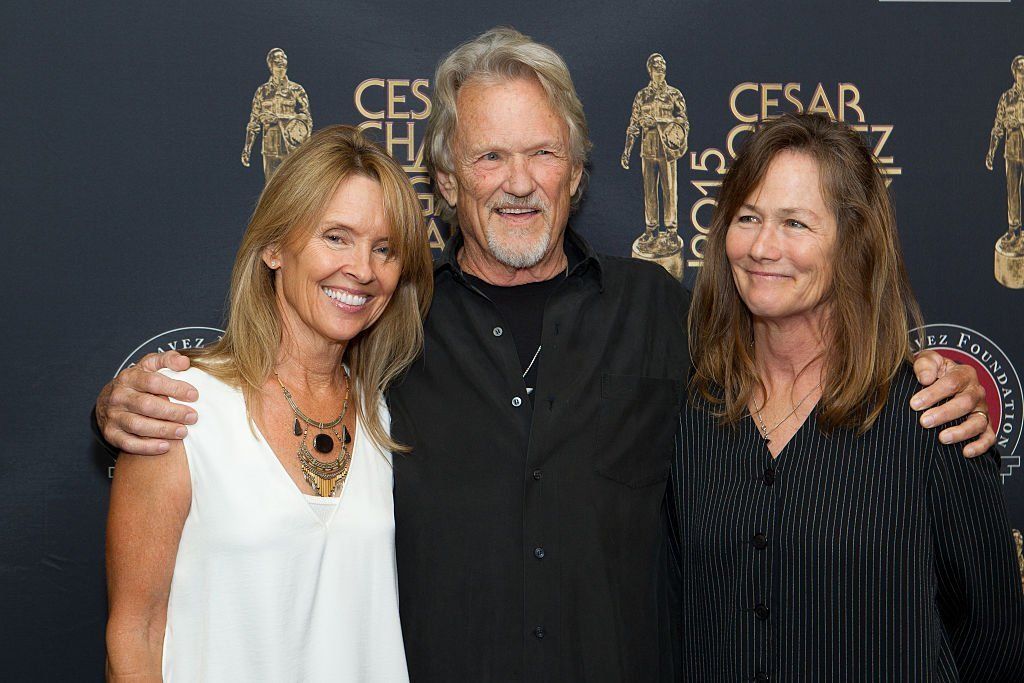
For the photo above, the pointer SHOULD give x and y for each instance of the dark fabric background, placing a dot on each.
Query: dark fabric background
(123, 196)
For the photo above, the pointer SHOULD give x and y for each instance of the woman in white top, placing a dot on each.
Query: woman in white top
(262, 547)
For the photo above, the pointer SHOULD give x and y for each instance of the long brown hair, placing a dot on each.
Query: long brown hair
(870, 304)
(290, 206)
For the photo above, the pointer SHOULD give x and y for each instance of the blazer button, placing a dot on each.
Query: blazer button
(768, 477)
(516, 401)
(538, 553)
(761, 612)
(762, 677)
(760, 542)
(539, 632)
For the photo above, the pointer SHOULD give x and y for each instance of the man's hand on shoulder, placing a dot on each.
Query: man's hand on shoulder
(133, 410)
(942, 379)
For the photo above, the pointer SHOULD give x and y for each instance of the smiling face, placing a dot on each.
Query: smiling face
(514, 177)
(335, 282)
(779, 243)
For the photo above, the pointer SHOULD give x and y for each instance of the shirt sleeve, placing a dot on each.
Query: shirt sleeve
(98, 435)
(671, 521)
(254, 113)
(999, 126)
(979, 595)
(680, 113)
(633, 128)
(302, 111)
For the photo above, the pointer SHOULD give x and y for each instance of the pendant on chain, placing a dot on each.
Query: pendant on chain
(325, 478)
(323, 443)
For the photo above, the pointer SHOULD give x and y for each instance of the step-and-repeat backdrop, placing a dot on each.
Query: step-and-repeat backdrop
(138, 137)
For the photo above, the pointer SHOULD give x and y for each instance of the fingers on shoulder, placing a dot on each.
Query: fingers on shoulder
(131, 444)
(152, 362)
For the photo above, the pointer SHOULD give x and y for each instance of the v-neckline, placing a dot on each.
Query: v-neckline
(798, 434)
(297, 491)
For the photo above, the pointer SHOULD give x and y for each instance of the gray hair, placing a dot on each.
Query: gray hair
(497, 55)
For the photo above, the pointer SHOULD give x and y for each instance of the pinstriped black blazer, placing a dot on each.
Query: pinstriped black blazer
(880, 557)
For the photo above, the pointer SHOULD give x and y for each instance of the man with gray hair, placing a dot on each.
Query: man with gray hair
(529, 518)
(531, 526)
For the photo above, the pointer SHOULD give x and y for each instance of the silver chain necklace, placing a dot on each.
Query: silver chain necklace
(536, 353)
(534, 360)
(764, 428)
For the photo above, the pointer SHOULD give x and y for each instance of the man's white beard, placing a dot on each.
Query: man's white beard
(518, 251)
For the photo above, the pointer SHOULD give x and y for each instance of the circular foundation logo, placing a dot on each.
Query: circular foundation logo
(996, 374)
(178, 339)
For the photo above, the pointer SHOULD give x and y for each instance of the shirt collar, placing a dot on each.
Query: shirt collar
(586, 259)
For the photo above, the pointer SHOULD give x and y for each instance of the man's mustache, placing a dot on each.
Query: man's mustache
(511, 201)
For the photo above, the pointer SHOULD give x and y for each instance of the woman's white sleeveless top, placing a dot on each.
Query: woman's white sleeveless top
(270, 586)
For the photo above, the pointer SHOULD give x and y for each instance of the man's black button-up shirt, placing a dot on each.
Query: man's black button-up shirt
(531, 541)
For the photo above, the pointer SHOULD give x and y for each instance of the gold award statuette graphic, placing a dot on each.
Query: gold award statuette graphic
(1019, 540)
(1009, 123)
(659, 119)
(280, 113)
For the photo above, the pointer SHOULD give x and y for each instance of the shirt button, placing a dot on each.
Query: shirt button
(516, 401)
(537, 475)
(768, 477)
(762, 677)
(538, 553)
(497, 331)
(539, 632)
(760, 542)
(761, 612)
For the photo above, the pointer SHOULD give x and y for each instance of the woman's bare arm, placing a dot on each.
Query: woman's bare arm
(149, 501)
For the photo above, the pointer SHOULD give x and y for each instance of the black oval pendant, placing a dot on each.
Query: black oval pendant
(323, 443)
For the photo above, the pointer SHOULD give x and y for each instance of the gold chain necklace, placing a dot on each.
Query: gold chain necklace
(325, 478)
(764, 428)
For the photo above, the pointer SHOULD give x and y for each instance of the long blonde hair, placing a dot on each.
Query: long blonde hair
(290, 206)
(871, 305)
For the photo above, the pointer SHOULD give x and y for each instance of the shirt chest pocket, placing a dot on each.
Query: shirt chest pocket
(639, 418)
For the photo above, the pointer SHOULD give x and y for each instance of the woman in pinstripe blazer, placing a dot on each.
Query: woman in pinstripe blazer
(825, 535)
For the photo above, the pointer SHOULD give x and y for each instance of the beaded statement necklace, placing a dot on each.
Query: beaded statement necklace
(325, 478)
